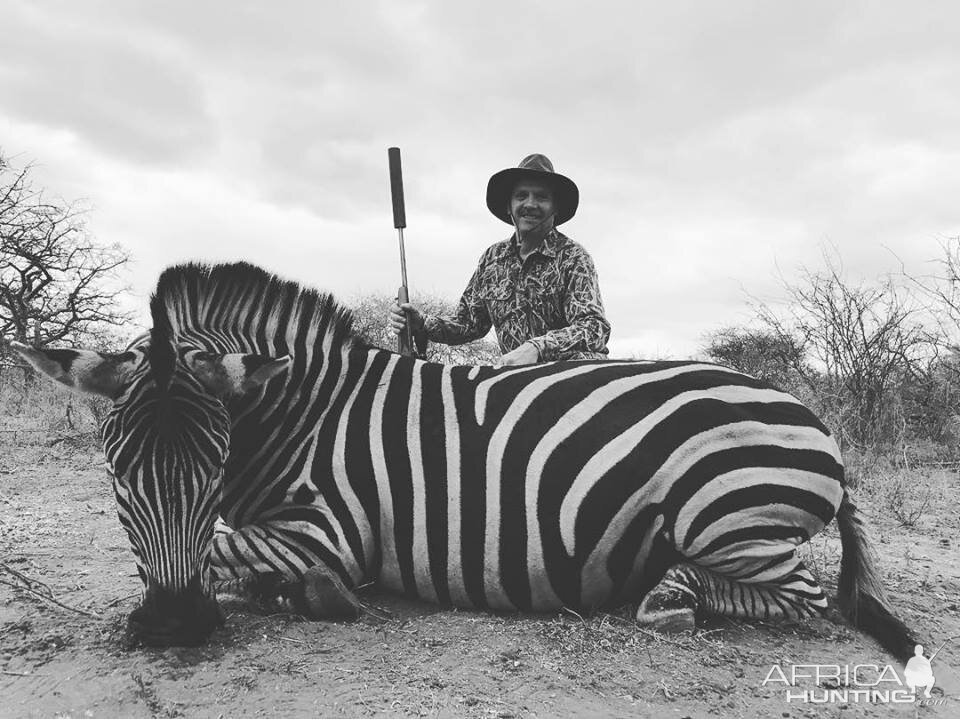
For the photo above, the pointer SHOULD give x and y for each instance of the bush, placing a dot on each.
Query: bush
(36, 411)
(760, 353)
(907, 492)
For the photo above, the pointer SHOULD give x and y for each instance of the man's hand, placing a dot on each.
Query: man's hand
(526, 353)
(400, 313)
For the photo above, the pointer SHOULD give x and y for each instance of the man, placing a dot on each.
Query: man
(538, 288)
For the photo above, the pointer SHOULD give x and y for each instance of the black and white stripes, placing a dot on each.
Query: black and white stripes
(166, 450)
(513, 488)
(682, 486)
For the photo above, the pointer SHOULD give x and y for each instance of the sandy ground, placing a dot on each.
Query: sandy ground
(58, 527)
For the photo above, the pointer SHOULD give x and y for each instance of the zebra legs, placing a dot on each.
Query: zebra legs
(687, 589)
(276, 568)
(325, 596)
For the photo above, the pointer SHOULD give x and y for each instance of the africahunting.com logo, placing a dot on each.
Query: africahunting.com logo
(858, 683)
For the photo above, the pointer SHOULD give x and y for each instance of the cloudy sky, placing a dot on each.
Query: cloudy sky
(714, 144)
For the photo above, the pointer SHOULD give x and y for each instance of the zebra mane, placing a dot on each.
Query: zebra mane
(239, 307)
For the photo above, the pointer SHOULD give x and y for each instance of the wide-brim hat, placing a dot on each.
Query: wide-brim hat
(536, 168)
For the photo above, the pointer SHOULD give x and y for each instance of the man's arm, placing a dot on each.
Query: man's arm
(471, 320)
(588, 329)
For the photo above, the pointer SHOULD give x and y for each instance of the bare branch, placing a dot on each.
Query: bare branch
(865, 342)
(56, 283)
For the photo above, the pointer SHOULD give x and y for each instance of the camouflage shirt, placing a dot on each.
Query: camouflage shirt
(551, 299)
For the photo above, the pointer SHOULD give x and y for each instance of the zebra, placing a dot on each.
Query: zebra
(256, 440)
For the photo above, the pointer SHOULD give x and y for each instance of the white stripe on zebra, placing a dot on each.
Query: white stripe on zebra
(280, 437)
(619, 447)
(495, 451)
(267, 545)
(267, 457)
(159, 512)
(421, 553)
(739, 558)
(354, 507)
(776, 574)
(451, 432)
(768, 515)
(307, 528)
(726, 437)
(342, 547)
(744, 477)
(573, 419)
(390, 571)
(483, 389)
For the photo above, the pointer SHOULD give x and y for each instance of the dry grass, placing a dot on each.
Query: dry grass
(911, 492)
(34, 411)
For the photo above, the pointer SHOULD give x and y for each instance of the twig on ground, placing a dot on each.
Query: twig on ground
(367, 608)
(654, 635)
(583, 621)
(30, 582)
(46, 597)
(662, 687)
(115, 602)
(948, 639)
(21, 674)
(18, 624)
(638, 628)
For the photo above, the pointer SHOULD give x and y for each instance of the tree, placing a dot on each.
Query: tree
(942, 289)
(763, 353)
(57, 284)
(370, 321)
(932, 400)
(866, 342)
(938, 391)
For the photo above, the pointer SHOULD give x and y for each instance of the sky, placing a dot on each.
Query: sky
(719, 148)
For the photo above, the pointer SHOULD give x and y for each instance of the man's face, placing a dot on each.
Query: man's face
(531, 205)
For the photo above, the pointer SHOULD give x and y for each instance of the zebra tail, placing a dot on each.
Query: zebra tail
(860, 590)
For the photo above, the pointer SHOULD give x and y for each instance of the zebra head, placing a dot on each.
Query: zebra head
(166, 440)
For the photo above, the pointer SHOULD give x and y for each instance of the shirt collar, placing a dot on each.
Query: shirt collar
(548, 247)
(550, 243)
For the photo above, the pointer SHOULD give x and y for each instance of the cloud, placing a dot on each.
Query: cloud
(121, 93)
(712, 143)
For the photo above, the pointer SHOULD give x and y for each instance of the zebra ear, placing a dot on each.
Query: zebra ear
(82, 370)
(233, 374)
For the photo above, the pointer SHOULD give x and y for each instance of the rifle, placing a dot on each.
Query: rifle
(405, 341)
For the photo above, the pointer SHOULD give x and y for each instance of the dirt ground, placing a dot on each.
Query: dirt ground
(58, 529)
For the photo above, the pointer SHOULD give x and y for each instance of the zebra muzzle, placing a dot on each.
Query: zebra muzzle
(167, 618)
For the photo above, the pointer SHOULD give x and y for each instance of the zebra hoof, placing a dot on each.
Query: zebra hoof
(667, 621)
(326, 597)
